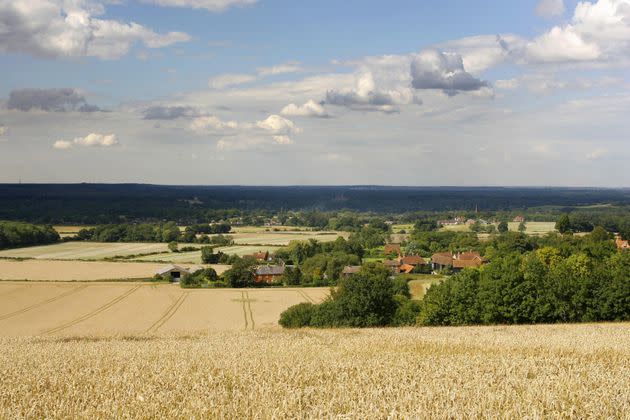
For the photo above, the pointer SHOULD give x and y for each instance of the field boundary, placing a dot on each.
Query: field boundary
(45, 302)
(168, 314)
(92, 313)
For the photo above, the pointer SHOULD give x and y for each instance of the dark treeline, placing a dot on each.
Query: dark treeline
(18, 234)
(155, 232)
(111, 203)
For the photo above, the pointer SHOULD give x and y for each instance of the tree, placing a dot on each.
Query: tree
(563, 225)
(521, 227)
(292, 276)
(503, 227)
(208, 256)
(241, 274)
(172, 246)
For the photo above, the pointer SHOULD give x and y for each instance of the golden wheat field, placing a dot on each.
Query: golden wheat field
(561, 371)
(52, 270)
(111, 309)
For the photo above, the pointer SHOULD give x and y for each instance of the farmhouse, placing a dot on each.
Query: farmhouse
(393, 265)
(176, 271)
(261, 255)
(518, 219)
(268, 273)
(413, 260)
(456, 262)
(621, 244)
(392, 249)
(349, 270)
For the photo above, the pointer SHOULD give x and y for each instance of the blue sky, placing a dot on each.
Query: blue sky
(360, 92)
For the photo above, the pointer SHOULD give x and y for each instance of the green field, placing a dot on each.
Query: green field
(420, 283)
(534, 228)
(283, 238)
(194, 257)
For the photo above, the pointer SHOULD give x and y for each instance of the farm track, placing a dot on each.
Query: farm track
(92, 313)
(168, 314)
(249, 308)
(305, 296)
(244, 308)
(45, 302)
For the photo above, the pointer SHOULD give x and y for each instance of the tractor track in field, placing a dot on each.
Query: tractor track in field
(168, 314)
(249, 308)
(19, 288)
(93, 313)
(42, 303)
(305, 296)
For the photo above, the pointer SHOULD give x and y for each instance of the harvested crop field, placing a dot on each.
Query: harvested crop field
(84, 250)
(51, 270)
(559, 371)
(113, 309)
(194, 257)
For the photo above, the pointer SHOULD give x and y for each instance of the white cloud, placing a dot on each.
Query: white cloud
(234, 79)
(210, 5)
(282, 140)
(230, 79)
(596, 154)
(212, 123)
(291, 67)
(309, 109)
(365, 96)
(561, 45)
(550, 8)
(278, 125)
(62, 144)
(52, 28)
(91, 140)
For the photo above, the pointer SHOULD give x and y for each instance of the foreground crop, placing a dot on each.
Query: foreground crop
(534, 371)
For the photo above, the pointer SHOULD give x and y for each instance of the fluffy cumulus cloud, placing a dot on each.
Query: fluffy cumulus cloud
(599, 32)
(52, 28)
(210, 5)
(91, 140)
(162, 112)
(561, 45)
(52, 100)
(239, 136)
(309, 109)
(366, 97)
(550, 8)
(278, 125)
(432, 69)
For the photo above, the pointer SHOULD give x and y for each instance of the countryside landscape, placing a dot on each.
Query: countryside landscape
(266, 209)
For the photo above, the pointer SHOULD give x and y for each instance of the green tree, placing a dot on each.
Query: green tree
(173, 247)
(503, 227)
(563, 225)
(241, 274)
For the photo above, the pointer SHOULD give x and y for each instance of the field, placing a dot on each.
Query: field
(108, 309)
(194, 257)
(420, 283)
(51, 270)
(534, 228)
(84, 250)
(559, 371)
(283, 238)
(531, 228)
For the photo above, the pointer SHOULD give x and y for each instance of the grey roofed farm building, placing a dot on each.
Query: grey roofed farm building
(175, 271)
(350, 270)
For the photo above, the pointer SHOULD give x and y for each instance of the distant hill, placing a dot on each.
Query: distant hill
(100, 203)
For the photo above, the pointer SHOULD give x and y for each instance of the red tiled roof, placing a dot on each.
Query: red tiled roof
(442, 258)
(413, 260)
(389, 248)
(469, 256)
(392, 263)
(406, 268)
(467, 263)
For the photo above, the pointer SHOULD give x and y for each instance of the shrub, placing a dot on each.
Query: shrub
(407, 311)
(297, 316)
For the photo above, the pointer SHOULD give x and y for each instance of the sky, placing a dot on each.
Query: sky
(280, 92)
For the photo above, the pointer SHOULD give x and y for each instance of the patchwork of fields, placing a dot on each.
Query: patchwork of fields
(113, 309)
(545, 371)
